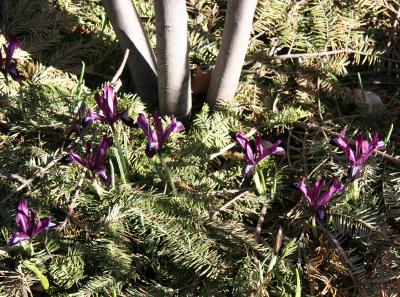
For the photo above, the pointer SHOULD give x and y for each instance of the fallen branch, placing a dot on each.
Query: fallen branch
(232, 145)
(346, 260)
(329, 53)
(15, 176)
(316, 126)
(121, 68)
(236, 198)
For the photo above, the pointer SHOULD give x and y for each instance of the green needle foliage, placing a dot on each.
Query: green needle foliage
(209, 238)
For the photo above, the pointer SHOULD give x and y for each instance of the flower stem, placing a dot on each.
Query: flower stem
(167, 172)
(120, 156)
(355, 191)
(259, 182)
(314, 227)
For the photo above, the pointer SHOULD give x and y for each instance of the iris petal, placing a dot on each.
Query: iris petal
(13, 44)
(335, 188)
(75, 157)
(244, 142)
(103, 174)
(23, 207)
(101, 152)
(173, 126)
(22, 222)
(316, 191)
(110, 100)
(158, 128)
(303, 187)
(248, 169)
(37, 228)
(274, 149)
(28, 223)
(144, 124)
(151, 149)
(127, 120)
(259, 147)
(343, 143)
(322, 215)
(18, 237)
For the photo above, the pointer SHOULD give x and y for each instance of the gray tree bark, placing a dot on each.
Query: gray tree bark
(131, 34)
(173, 58)
(235, 39)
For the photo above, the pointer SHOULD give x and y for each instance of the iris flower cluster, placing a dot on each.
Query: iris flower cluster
(356, 160)
(30, 226)
(253, 157)
(27, 221)
(94, 162)
(8, 65)
(364, 149)
(157, 137)
(318, 201)
(108, 105)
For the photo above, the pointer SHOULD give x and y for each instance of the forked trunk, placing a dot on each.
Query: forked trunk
(173, 58)
(235, 39)
(131, 34)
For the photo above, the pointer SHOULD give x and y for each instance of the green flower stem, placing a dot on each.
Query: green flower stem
(354, 191)
(298, 284)
(314, 227)
(120, 156)
(259, 182)
(167, 172)
(43, 279)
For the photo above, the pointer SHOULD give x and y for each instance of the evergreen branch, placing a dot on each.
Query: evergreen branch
(73, 201)
(43, 170)
(343, 254)
(329, 53)
(230, 146)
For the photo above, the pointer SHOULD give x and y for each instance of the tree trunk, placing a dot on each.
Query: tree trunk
(226, 74)
(131, 34)
(173, 58)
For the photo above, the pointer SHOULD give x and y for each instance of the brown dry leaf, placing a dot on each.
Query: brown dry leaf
(200, 81)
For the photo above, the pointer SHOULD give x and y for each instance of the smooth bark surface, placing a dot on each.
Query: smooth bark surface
(237, 28)
(173, 58)
(131, 34)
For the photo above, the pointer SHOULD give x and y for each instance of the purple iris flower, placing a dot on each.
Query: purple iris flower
(320, 201)
(94, 162)
(28, 223)
(107, 103)
(364, 149)
(8, 65)
(253, 158)
(158, 137)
